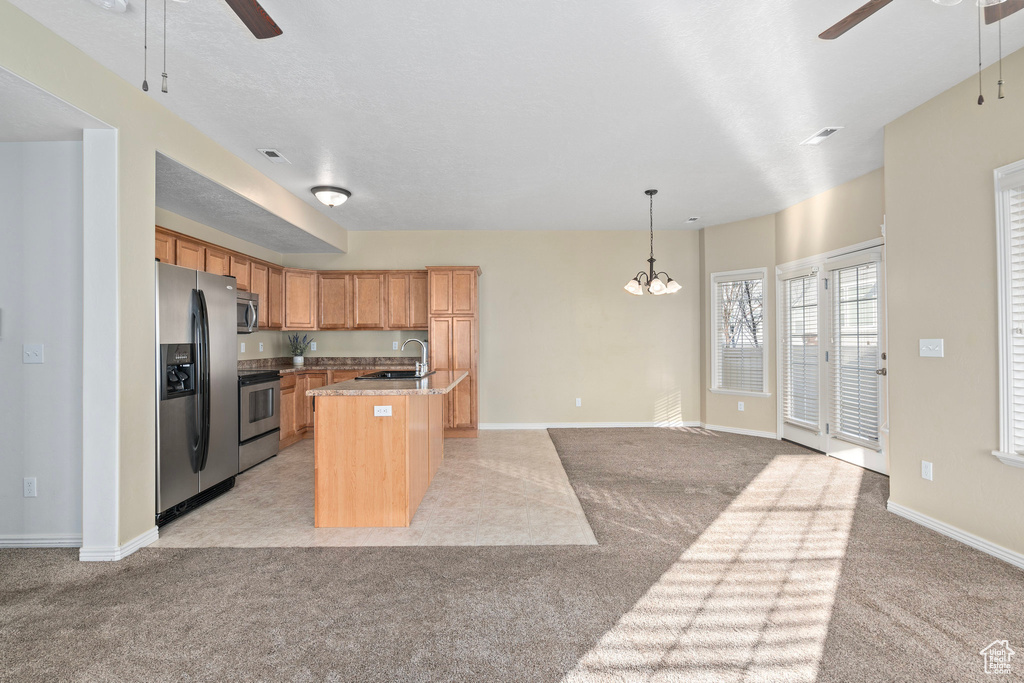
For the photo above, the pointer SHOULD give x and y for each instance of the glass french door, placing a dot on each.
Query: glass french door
(832, 369)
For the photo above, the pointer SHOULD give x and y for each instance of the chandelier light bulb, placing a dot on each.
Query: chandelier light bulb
(657, 287)
(672, 287)
(634, 287)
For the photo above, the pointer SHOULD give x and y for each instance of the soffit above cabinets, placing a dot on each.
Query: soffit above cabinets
(545, 115)
(181, 190)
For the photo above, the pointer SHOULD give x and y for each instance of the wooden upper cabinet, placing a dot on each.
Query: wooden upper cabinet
(300, 299)
(407, 300)
(440, 287)
(240, 269)
(165, 247)
(217, 261)
(335, 301)
(398, 300)
(189, 254)
(369, 305)
(418, 316)
(275, 298)
(259, 284)
(464, 292)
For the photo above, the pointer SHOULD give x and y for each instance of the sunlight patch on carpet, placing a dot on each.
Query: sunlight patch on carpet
(751, 598)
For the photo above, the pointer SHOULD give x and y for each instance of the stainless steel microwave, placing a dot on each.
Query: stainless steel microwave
(248, 312)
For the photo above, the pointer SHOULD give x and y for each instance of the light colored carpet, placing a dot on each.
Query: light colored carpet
(720, 557)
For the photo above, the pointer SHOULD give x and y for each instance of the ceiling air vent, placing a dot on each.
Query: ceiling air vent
(274, 156)
(693, 219)
(820, 136)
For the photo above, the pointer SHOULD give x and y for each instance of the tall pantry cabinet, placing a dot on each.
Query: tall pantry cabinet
(454, 340)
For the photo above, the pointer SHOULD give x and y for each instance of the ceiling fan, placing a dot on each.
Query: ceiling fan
(256, 18)
(994, 11)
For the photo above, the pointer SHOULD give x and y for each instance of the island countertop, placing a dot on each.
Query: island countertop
(441, 382)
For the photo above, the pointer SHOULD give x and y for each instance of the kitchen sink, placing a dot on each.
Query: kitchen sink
(395, 374)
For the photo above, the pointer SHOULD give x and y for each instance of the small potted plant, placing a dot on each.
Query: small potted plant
(298, 347)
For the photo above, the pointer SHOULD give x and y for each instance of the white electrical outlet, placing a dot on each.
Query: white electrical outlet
(312, 346)
(932, 348)
(382, 411)
(579, 402)
(243, 347)
(261, 347)
(926, 470)
(30, 487)
(394, 346)
(32, 353)
(739, 406)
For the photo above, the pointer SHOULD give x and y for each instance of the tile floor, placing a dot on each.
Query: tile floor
(504, 488)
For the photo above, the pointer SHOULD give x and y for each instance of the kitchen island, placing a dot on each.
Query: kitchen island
(377, 446)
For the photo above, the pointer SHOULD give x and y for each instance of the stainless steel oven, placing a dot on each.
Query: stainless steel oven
(247, 312)
(259, 416)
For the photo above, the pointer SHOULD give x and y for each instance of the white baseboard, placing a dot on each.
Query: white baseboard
(41, 541)
(743, 432)
(583, 425)
(976, 542)
(115, 553)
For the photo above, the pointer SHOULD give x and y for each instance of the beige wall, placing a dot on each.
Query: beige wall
(740, 246)
(556, 323)
(941, 248)
(848, 214)
(144, 126)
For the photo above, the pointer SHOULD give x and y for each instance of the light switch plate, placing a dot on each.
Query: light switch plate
(32, 353)
(932, 348)
(382, 411)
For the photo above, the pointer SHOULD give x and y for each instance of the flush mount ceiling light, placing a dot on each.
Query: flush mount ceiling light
(652, 280)
(331, 196)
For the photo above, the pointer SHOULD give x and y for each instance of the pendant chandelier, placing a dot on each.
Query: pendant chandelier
(652, 280)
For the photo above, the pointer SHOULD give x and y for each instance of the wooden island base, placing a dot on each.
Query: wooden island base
(373, 470)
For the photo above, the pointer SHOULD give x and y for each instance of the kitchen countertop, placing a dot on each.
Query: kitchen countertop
(441, 382)
(325, 363)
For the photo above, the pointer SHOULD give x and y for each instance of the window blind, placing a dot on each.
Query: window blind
(738, 363)
(1015, 215)
(855, 353)
(800, 356)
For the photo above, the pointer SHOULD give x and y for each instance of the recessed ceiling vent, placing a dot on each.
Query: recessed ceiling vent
(693, 219)
(821, 135)
(274, 156)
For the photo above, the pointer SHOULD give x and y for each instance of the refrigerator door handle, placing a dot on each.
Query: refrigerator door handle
(196, 435)
(205, 379)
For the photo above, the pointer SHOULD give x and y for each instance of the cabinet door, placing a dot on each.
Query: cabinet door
(288, 430)
(165, 247)
(314, 380)
(440, 343)
(440, 292)
(275, 298)
(300, 299)
(240, 269)
(418, 301)
(368, 304)
(189, 254)
(259, 283)
(463, 405)
(464, 292)
(398, 300)
(217, 261)
(463, 343)
(335, 301)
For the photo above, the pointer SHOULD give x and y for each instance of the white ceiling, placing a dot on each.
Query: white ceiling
(546, 115)
(181, 190)
(30, 114)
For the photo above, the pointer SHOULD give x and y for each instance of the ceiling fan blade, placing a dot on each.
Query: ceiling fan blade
(255, 18)
(857, 16)
(994, 13)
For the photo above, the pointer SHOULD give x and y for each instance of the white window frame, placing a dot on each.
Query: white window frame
(1006, 178)
(733, 276)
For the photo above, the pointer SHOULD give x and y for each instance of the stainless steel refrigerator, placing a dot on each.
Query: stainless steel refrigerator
(197, 388)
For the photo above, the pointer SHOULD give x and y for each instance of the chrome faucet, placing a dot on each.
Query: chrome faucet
(421, 366)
